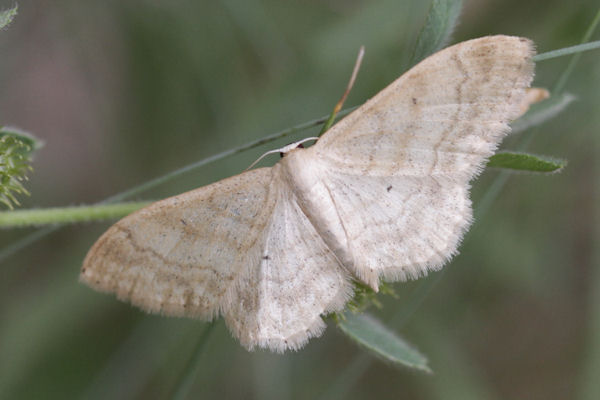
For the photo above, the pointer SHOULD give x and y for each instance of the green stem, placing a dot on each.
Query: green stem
(329, 122)
(65, 215)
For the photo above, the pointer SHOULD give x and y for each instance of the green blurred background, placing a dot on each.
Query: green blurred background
(124, 91)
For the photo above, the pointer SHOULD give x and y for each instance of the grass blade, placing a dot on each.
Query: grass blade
(580, 48)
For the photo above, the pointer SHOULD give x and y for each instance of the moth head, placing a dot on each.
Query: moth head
(298, 146)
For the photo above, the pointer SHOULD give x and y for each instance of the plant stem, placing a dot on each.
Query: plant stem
(580, 48)
(65, 215)
(340, 103)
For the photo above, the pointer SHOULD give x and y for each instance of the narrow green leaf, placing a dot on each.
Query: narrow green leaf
(7, 16)
(525, 162)
(66, 215)
(439, 25)
(382, 342)
(565, 51)
(543, 111)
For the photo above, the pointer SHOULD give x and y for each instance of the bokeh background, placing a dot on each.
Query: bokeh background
(124, 91)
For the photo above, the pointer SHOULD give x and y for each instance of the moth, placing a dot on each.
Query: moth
(382, 195)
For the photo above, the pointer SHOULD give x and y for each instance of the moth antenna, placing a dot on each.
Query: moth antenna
(284, 149)
(261, 157)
